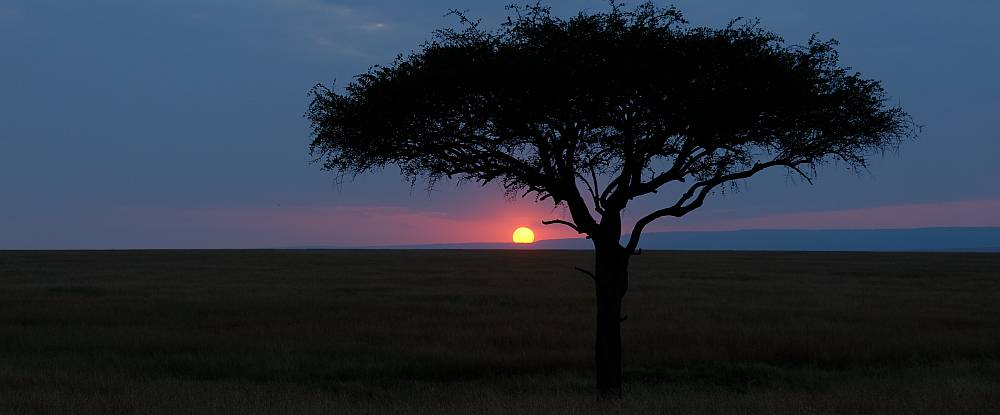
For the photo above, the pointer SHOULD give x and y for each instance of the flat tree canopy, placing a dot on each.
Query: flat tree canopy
(599, 109)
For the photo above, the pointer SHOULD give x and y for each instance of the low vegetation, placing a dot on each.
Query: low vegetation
(457, 332)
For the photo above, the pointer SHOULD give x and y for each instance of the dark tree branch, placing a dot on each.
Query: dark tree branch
(578, 209)
(677, 171)
(802, 174)
(598, 202)
(699, 191)
(612, 186)
(626, 179)
(562, 222)
(592, 193)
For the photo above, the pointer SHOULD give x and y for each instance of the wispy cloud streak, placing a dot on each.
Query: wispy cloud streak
(943, 214)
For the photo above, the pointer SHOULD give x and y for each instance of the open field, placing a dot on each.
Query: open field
(455, 332)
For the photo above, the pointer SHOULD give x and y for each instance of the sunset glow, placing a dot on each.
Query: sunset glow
(524, 235)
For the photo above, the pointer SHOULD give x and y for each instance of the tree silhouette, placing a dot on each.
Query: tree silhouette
(596, 110)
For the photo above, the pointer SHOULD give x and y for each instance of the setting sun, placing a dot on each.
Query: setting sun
(523, 235)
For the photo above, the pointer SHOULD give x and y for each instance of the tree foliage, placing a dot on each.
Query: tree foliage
(601, 108)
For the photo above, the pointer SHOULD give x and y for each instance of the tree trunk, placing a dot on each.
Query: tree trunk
(611, 282)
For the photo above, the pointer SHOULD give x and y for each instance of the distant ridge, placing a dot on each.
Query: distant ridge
(980, 239)
(920, 239)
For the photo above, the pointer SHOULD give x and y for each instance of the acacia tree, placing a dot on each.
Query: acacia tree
(596, 110)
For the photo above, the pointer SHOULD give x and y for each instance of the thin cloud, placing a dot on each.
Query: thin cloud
(327, 8)
(966, 213)
(8, 13)
(330, 26)
(374, 27)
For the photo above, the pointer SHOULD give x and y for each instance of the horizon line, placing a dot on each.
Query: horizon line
(509, 245)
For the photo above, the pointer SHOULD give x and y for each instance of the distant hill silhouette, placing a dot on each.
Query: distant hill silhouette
(985, 239)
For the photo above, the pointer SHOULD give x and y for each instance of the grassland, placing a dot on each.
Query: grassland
(456, 332)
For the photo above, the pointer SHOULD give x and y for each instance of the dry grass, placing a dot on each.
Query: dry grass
(455, 332)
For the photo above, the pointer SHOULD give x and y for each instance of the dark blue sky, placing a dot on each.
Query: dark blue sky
(178, 123)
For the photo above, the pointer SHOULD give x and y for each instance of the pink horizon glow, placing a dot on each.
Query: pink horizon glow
(363, 225)
(348, 226)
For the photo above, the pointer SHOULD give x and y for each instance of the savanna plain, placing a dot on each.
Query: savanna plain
(495, 332)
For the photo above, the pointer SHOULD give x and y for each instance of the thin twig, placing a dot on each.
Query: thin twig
(591, 274)
(562, 222)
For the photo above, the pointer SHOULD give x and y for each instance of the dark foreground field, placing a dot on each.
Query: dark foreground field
(453, 332)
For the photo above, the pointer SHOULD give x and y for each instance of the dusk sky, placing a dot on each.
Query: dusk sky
(178, 124)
